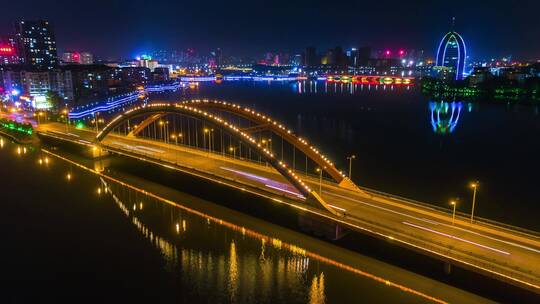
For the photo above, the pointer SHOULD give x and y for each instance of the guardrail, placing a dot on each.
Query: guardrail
(507, 272)
(461, 215)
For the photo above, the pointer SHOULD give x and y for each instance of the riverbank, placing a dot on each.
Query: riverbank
(482, 92)
(200, 186)
(20, 138)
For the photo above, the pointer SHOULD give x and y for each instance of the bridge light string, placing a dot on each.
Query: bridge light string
(264, 151)
(256, 115)
(216, 120)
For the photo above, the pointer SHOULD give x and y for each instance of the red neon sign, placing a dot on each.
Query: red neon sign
(6, 50)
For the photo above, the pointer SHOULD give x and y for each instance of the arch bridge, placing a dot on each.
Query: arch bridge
(219, 114)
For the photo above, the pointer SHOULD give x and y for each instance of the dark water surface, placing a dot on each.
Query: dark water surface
(70, 234)
(402, 150)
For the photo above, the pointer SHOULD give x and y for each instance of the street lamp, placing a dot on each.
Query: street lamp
(210, 141)
(350, 158)
(38, 115)
(66, 112)
(233, 151)
(176, 137)
(453, 203)
(204, 137)
(161, 128)
(209, 132)
(96, 114)
(474, 186)
(320, 179)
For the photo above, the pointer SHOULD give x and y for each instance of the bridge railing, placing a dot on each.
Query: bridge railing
(432, 206)
(462, 215)
(168, 161)
(205, 150)
(452, 253)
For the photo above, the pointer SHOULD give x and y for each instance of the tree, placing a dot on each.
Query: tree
(54, 100)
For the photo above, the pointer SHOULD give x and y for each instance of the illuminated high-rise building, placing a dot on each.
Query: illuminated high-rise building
(87, 58)
(76, 57)
(37, 44)
(452, 54)
(70, 57)
(217, 57)
(310, 57)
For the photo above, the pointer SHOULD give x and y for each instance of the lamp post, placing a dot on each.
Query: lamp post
(267, 145)
(161, 129)
(320, 180)
(474, 186)
(38, 115)
(175, 137)
(166, 131)
(96, 114)
(209, 132)
(350, 158)
(212, 143)
(233, 151)
(206, 131)
(66, 112)
(453, 203)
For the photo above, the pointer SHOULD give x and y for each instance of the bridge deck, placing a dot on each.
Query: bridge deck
(504, 253)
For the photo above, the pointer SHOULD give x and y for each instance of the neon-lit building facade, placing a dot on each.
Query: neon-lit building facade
(8, 52)
(452, 53)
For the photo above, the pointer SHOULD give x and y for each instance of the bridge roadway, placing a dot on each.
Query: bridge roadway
(500, 251)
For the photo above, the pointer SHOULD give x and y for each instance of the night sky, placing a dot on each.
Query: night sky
(124, 28)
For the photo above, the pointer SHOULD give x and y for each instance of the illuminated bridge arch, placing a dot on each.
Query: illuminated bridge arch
(156, 110)
(263, 122)
(452, 53)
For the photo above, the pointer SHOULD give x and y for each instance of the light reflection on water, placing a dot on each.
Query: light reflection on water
(391, 131)
(316, 292)
(198, 266)
(284, 266)
(223, 261)
(315, 87)
(445, 116)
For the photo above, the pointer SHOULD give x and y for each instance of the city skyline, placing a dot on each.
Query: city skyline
(270, 151)
(124, 29)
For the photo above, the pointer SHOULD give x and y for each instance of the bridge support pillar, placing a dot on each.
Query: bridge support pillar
(346, 183)
(96, 152)
(315, 200)
(447, 268)
(320, 226)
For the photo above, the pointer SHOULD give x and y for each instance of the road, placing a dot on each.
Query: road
(500, 251)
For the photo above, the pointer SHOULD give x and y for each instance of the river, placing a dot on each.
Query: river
(76, 234)
(409, 144)
(118, 233)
